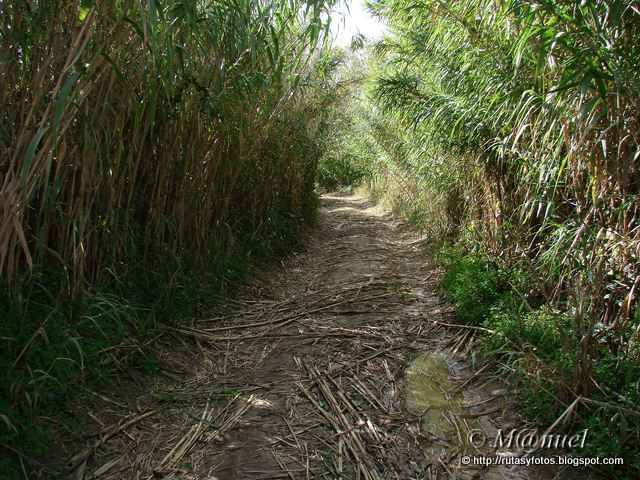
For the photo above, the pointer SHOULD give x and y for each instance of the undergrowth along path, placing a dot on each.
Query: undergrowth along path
(311, 373)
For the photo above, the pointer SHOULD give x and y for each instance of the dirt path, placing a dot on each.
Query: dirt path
(312, 374)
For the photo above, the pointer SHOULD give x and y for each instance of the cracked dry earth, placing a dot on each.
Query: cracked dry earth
(336, 365)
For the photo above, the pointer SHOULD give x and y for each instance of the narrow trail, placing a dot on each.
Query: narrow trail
(334, 366)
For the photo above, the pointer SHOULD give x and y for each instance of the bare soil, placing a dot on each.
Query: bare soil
(305, 375)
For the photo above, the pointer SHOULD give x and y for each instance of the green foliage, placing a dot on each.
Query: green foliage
(339, 172)
(8, 471)
(350, 148)
(610, 439)
(537, 346)
(539, 331)
(49, 347)
(515, 121)
(472, 284)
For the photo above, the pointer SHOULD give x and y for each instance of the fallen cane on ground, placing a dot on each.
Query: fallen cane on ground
(343, 363)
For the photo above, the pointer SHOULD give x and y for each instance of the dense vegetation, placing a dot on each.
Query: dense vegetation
(145, 147)
(508, 131)
(150, 149)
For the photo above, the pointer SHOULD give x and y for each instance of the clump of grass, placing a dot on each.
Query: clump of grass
(473, 284)
(541, 331)
(50, 347)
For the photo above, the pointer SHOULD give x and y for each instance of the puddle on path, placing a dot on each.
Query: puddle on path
(429, 393)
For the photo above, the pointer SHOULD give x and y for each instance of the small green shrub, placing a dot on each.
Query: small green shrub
(49, 347)
(610, 436)
(539, 330)
(472, 284)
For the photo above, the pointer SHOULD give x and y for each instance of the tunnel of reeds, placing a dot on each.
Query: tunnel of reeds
(157, 155)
